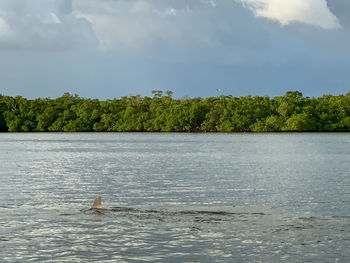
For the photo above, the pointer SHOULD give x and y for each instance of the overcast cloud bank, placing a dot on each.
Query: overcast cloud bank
(48, 47)
(144, 24)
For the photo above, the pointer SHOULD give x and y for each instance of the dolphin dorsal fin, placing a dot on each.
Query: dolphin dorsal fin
(97, 203)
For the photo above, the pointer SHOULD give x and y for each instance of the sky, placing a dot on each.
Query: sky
(198, 48)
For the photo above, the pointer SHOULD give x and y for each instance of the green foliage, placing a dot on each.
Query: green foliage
(3, 109)
(272, 123)
(162, 113)
(299, 122)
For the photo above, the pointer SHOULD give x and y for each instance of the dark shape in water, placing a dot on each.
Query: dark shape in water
(145, 213)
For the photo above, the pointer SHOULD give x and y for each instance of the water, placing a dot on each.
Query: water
(175, 197)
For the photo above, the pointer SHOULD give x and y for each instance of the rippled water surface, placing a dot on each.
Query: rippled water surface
(175, 197)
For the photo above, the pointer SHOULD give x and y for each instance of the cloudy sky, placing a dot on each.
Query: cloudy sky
(112, 48)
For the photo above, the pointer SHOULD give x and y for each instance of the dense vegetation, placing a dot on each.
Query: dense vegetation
(291, 112)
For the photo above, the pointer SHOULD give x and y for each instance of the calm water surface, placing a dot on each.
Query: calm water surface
(175, 197)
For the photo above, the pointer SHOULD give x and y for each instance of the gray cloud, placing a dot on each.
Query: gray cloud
(142, 24)
(42, 24)
(191, 27)
(180, 29)
(341, 8)
(196, 31)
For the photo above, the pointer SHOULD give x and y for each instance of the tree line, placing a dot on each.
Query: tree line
(162, 113)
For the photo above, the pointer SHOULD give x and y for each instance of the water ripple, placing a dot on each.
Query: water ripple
(175, 198)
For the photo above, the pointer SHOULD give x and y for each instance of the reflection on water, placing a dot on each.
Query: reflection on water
(175, 198)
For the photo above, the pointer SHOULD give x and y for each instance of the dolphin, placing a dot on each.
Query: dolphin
(97, 203)
(96, 207)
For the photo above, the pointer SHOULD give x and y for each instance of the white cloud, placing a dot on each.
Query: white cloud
(312, 12)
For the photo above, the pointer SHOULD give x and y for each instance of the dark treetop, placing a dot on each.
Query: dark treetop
(291, 112)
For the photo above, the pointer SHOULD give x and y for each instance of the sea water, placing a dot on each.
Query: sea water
(175, 197)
